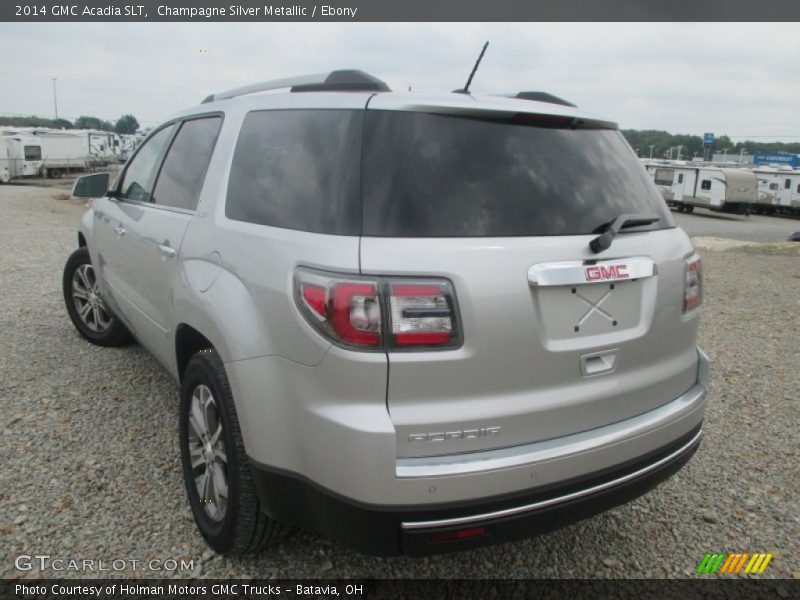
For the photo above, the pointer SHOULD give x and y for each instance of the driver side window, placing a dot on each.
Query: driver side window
(138, 180)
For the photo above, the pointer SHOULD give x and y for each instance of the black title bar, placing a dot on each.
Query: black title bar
(396, 10)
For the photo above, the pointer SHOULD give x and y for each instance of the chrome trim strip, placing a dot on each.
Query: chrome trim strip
(593, 440)
(553, 501)
(578, 272)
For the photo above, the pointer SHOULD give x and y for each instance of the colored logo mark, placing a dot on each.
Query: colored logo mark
(740, 562)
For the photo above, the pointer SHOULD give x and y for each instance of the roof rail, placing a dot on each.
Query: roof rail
(543, 97)
(350, 80)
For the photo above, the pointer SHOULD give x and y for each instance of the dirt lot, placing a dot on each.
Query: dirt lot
(91, 468)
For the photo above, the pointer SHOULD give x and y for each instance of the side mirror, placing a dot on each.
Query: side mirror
(91, 186)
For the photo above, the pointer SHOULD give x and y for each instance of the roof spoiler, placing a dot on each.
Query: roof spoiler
(349, 80)
(544, 97)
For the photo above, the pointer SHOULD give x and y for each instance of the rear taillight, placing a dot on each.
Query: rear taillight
(422, 314)
(692, 283)
(377, 312)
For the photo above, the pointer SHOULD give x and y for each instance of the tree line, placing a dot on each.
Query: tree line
(125, 124)
(692, 145)
(640, 140)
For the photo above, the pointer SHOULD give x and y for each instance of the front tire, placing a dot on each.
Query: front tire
(216, 470)
(86, 307)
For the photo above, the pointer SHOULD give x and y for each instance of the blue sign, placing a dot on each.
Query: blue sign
(780, 158)
(708, 139)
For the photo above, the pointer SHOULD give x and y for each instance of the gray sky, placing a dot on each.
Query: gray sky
(736, 78)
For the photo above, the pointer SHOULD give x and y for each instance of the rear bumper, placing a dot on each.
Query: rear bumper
(354, 489)
(416, 531)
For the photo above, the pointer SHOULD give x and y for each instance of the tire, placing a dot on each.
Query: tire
(86, 308)
(689, 208)
(232, 524)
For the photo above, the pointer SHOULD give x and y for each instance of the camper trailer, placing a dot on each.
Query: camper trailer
(778, 190)
(41, 153)
(127, 144)
(685, 186)
(100, 147)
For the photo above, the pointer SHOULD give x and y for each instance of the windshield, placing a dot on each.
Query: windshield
(429, 175)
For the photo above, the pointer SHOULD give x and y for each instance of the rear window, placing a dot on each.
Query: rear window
(298, 169)
(431, 175)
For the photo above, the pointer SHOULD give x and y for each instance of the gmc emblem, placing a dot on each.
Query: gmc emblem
(600, 273)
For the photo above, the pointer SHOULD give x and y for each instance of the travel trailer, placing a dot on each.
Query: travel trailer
(685, 186)
(778, 190)
(40, 153)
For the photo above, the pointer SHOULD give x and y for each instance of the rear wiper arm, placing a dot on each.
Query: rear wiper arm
(603, 242)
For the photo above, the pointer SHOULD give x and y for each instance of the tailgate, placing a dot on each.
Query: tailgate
(543, 358)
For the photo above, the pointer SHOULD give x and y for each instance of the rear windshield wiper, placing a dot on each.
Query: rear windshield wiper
(603, 242)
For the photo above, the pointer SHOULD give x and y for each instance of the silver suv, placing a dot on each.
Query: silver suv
(413, 323)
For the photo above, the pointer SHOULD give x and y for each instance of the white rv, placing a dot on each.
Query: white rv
(42, 153)
(100, 147)
(685, 186)
(778, 190)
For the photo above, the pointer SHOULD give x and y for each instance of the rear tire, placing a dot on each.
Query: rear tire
(689, 208)
(215, 464)
(86, 307)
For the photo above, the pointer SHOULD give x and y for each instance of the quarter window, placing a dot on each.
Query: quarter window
(298, 169)
(33, 153)
(138, 179)
(706, 184)
(787, 184)
(184, 170)
(680, 177)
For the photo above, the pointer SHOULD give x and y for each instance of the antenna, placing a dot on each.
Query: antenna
(471, 75)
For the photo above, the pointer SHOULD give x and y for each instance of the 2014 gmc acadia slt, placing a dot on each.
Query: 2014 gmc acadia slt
(413, 323)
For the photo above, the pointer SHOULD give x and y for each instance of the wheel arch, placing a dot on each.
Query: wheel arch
(188, 342)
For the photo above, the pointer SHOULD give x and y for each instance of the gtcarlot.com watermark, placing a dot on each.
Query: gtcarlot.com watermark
(58, 564)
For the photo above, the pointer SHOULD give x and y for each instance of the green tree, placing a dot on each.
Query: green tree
(84, 122)
(126, 124)
(35, 122)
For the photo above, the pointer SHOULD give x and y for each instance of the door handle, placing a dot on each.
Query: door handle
(167, 250)
(120, 230)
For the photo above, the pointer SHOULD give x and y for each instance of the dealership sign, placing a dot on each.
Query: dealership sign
(781, 158)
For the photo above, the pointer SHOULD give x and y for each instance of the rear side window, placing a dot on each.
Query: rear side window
(706, 184)
(33, 153)
(429, 175)
(298, 169)
(184, 169)
(680, 177)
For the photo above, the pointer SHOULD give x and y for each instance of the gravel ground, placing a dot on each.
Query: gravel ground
(91, 469)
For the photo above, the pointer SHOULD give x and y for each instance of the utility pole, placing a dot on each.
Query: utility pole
(741, 155)
(651, 152)
(55, 98)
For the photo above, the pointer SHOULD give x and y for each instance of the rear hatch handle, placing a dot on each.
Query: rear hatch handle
(603, 242)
